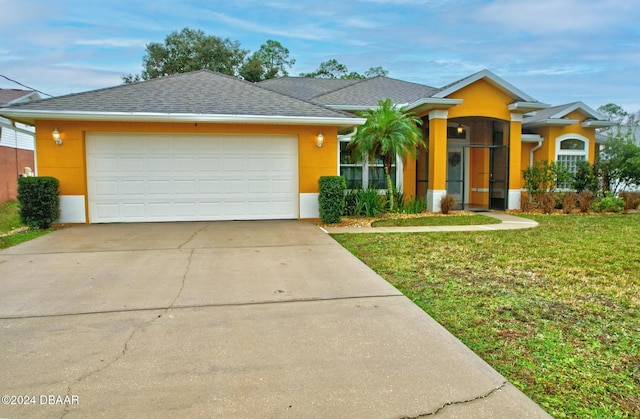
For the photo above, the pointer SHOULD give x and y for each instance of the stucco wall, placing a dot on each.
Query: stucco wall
(67, 162)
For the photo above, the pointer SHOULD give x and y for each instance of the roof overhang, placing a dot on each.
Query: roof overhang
(424, 105)
(550, 122)
(419, 106)
(524, 107)
(531, 138)
(30, 116)
(591, 123)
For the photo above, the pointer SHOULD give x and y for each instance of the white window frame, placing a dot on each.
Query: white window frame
(365, 169)
(572, 153)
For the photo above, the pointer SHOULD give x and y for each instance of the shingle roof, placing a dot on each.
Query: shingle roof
(560, 111)
(9, 95)
(305, 88)
(349, 92)
(369, 91)
(199, 92)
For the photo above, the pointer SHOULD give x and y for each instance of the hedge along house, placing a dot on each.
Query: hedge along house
(204, 146)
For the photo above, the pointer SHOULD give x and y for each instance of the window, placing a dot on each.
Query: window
(569, 151)
(366, 174)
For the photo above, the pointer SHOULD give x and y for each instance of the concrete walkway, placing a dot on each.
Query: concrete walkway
(508, 222)
(225, 319)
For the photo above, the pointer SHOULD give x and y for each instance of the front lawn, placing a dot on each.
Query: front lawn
(437, 220)
(10, 223)
(9, 217)
(555, 309)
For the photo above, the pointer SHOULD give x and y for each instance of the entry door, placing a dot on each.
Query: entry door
(498, 178)
(455, 174)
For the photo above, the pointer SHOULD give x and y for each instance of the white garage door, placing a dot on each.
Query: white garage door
(158, 177)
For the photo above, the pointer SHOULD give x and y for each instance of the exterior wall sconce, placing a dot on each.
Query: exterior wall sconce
(460, 129)
(56, 137)
(320, 140)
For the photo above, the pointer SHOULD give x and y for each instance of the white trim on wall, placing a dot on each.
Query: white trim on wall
(309, 207)
(514, 199)
(72, 209)
(433, 199)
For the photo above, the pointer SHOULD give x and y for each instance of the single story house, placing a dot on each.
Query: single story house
(16, 144)
(205, 146)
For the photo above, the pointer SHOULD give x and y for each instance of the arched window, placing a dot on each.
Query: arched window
(570, 149)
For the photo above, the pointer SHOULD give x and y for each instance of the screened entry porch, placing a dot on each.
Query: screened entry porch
(477, 164)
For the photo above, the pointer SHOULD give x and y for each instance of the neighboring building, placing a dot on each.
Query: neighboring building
(204, 146)
(16, 144)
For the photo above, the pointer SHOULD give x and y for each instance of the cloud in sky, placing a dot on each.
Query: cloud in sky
(557, 51)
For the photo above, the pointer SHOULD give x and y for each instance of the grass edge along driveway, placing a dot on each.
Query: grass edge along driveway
(555, 309)
(12, 232)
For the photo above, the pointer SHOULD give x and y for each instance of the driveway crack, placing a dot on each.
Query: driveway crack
(445, 405)
(201, 229)
(143, 325)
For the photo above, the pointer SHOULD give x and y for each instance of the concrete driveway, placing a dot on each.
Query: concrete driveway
(224, 319)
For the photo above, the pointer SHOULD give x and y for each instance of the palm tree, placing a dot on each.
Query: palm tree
(388, 132)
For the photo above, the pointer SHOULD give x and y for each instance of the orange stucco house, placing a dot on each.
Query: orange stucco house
(205, 146)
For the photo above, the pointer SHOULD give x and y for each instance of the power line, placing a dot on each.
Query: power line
(23, 85)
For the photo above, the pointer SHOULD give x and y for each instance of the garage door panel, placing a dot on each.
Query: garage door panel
(132, 188)
(185, 187)
(185, 165)
(156, 177)
(133, 210)
(106, 189)
(158, 188)
(159, 209)
(210, 164)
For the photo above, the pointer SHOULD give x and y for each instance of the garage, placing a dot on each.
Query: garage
(190, 177)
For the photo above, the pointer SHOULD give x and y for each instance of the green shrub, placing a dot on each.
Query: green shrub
(39, 201)
(609, 204)
(331, 199)
(585, 200)
(369, 203)
(415, 205)
(631, 200)
(364, 203)
(446, 203)
(544, 176)
(586, 177)
(398, 198)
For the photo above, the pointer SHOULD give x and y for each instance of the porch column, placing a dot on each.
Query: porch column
(437, 159)
(515, 161)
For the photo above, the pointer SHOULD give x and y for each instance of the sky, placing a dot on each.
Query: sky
(557, 51)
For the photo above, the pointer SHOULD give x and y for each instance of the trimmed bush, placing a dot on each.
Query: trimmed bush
(447, 203)
(547, 201)
(331, 199)
(585, 200)
(569, 202)
(39, 201)
(631, 200)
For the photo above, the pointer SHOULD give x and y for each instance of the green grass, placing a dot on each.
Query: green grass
(555, 309)
(9, 217)
(449, 220)
(10, 220)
